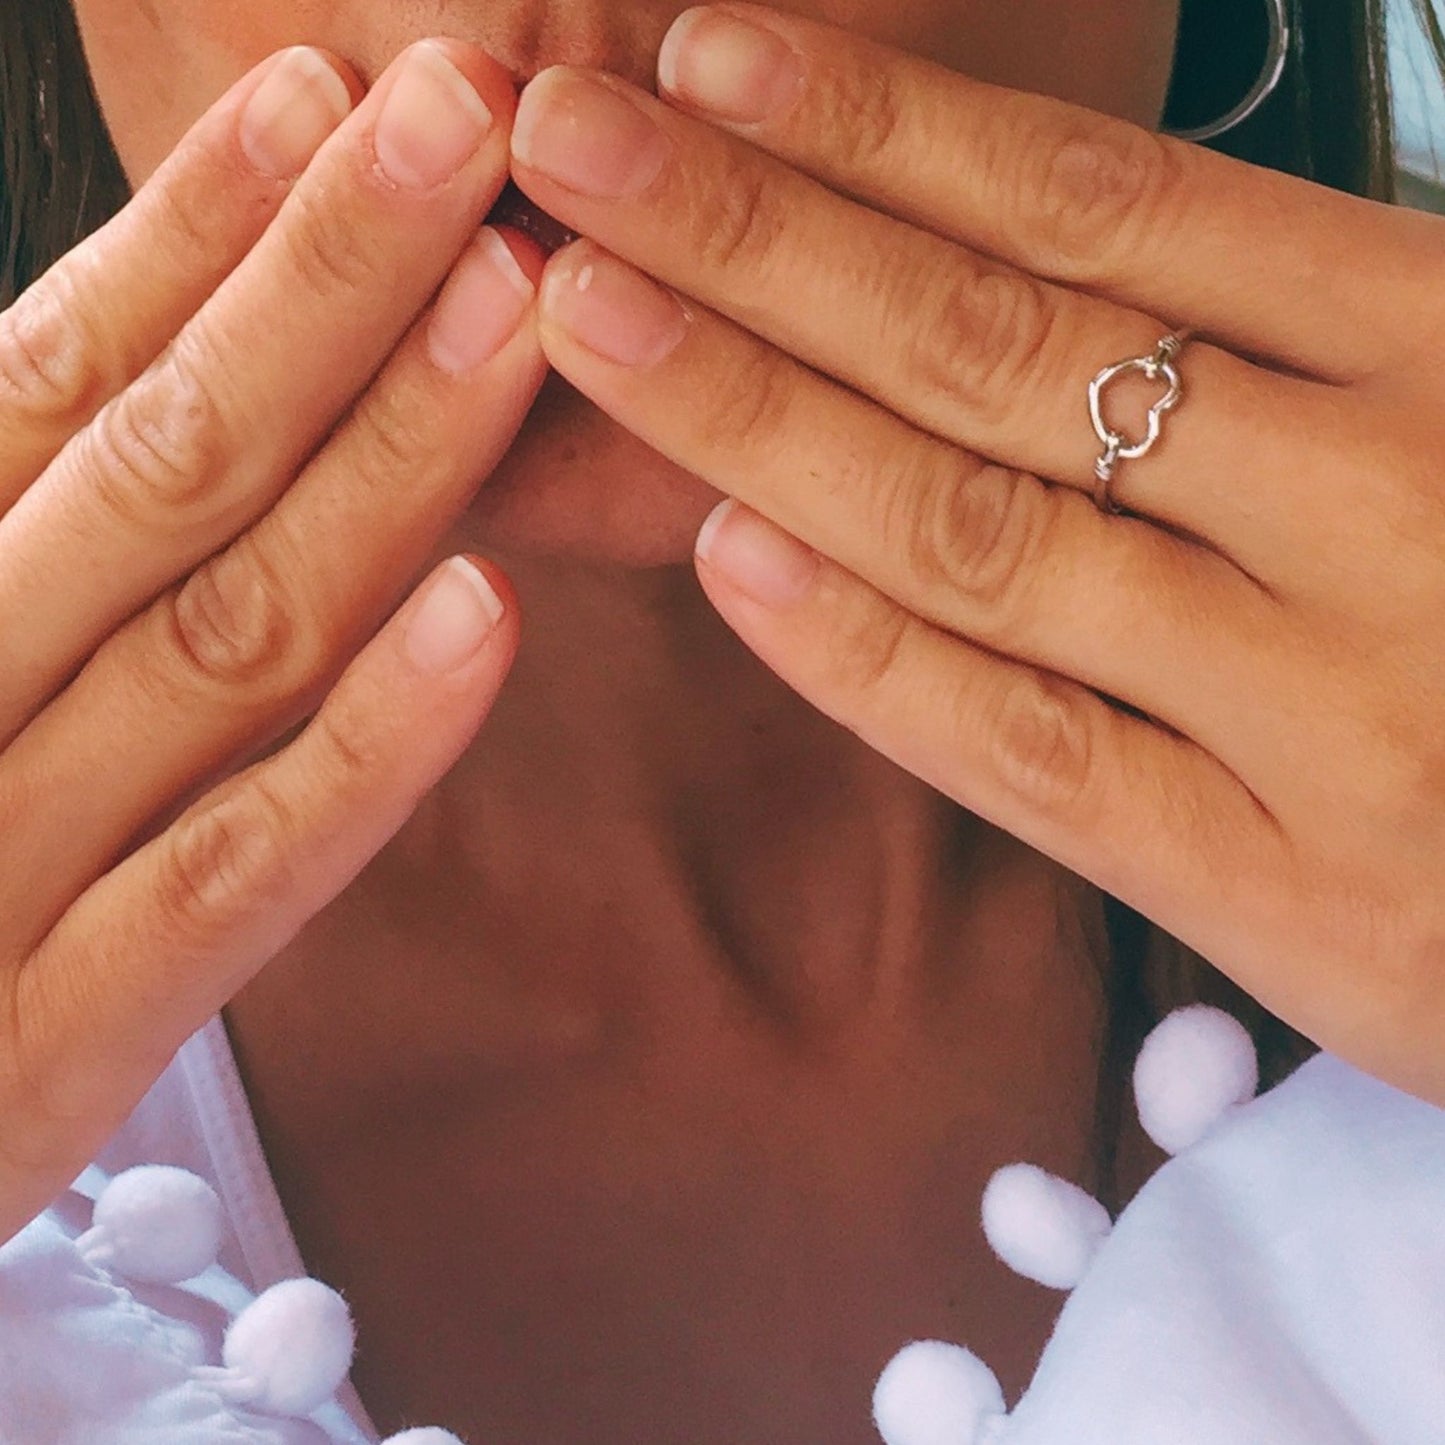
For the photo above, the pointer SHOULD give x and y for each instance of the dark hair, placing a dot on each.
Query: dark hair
(1329, 120)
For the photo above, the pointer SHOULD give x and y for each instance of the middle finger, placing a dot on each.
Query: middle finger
(977, 352)
(212, 433)
(990, 553)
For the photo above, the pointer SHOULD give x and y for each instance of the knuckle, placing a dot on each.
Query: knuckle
(159, 450)
(1042, 743)
(982, 349)
(741, 222)
(750, 403)
(224, 860)
(1101, 187)
(180, 223)
(978, 537)
(326, 249)
(46, 365)
(353, 750)
(861, 113)
(866, 649)
(394, 432)
(232, 622)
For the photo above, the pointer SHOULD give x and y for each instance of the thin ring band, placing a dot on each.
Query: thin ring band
(1159, 363)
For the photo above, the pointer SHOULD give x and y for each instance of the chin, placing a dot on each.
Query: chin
(575, 484)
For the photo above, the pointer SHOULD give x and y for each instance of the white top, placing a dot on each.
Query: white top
(1282, 1282)
(197, 1117)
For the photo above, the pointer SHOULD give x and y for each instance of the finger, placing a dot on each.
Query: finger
(101, 314)
(1148, 220)
(1144, 814)
(217, 427)
(251, 640)
(976, 352)
(1030, 570)
(159, 944)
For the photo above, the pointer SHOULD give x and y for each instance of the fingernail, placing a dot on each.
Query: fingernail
(772, 566)
(613, 309)
(722, 64)
(480, 306)
(455, 616)
(299, 103)
(584, 135)
(431, 122)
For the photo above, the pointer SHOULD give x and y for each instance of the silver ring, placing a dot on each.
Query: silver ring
(1159, 363)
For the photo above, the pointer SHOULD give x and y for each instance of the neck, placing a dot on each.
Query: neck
(673, 990)
(652, 827)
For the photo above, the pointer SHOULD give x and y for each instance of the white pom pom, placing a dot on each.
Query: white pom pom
(424, 1435)
(1194, 1067)
(1041, 1226)
(932, 1393)
(155, 1224)
(290, 1348)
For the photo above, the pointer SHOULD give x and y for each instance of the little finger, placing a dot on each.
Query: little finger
(231, 656)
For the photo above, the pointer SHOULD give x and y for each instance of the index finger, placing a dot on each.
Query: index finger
(1068, 193)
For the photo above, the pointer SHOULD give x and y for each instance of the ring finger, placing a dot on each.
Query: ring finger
(983, 550)
(975, 351)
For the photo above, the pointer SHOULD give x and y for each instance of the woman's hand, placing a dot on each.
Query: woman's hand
(223, 457)
(903, 282)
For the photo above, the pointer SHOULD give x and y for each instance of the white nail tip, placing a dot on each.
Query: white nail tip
(500, 255)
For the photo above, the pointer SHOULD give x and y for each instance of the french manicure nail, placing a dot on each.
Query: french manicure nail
(613, 309)
(480, 306)
(293, 110)
(431, 122)
(722, 64)
(456, 615)
(576, 129)
(772, 566)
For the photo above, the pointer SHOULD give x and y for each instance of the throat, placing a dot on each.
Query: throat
(707, 1229)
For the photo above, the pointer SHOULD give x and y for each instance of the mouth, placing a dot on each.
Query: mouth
(515, 209)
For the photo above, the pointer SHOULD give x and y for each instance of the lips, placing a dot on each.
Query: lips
(514, 209)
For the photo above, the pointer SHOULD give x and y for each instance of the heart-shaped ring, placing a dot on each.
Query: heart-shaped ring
(1160, 363)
